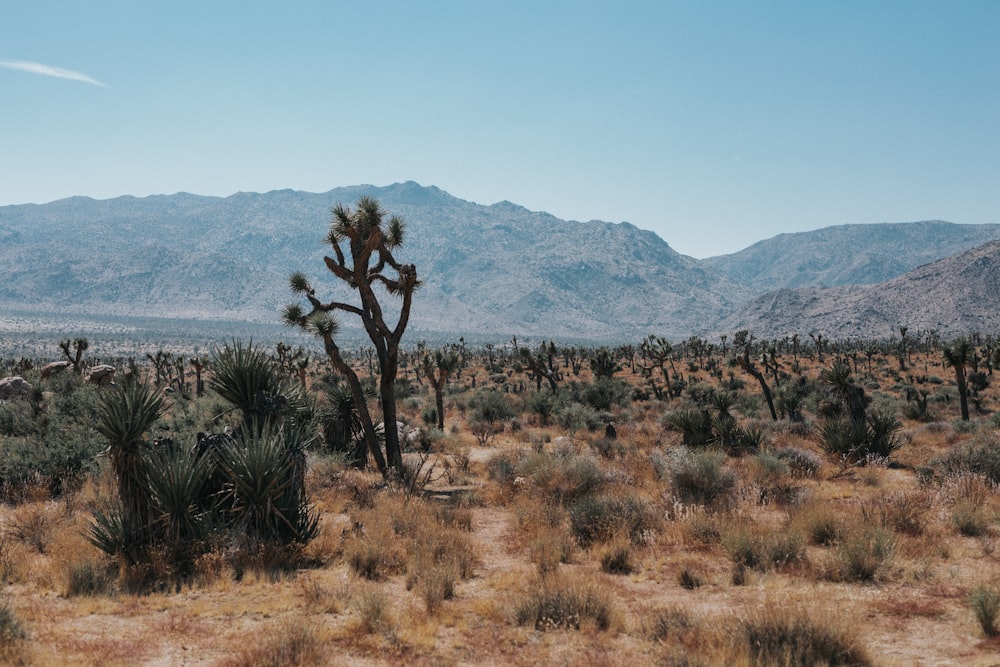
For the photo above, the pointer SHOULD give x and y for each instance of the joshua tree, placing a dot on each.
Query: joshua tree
(199, 364)
(958, 355)
(743, 339)
(80, 346)
(658, 353)
(437, 368)
(365, 264)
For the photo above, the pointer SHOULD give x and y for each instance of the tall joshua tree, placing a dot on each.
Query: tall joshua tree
(958, 355)
(363, 241)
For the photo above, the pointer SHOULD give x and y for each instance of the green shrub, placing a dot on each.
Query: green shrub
(600, 518)
(562, 476)
(701, 477)
(981, 457)
(985, 603)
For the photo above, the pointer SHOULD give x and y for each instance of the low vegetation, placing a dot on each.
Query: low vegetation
(550, 504)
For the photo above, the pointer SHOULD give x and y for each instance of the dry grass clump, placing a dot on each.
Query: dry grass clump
(761, 548)
(412, 536)
(559, 601)
(901, 511)
(786, 635)
(292, 643)
(863, 554)
(90, 577)
(972, 497)
(818, 522)
(616, 558)
(35, 524)
(562, 476)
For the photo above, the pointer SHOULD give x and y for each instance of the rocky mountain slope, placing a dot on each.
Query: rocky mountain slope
(954, 296)
(487, 271)
(847, 254)
(499, 270)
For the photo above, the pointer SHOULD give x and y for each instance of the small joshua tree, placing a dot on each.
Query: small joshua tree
(79, 346)
(437, 368)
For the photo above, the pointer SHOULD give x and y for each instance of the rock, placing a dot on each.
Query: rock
(102, 374)
(14, 387)
(53, 368)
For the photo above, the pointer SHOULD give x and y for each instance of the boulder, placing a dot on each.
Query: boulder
(14, 387)
(53, 368)
(102, 374)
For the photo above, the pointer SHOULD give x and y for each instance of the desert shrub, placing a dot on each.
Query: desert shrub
(544, 404)
(818, 523)
(782, 635)
(375, 611)
(800, 462)
(88, 577)
(901, 511)
(863, 553)
(11, 628)
(605, 393)
(16, 420)
(762, 549)
(502, 465)
(670, 625)
(971, 494)
(375, 554)
(617, 558)
(292, 643)
(701, 477)
(980, 457)
(575, 417)
(489, 410)
(562, 602)
(985, 603)
(562, 476)
(601, 518)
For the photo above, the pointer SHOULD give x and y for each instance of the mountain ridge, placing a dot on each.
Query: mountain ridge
(492, 270)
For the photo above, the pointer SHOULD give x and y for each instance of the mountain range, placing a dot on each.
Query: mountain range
(496, 270)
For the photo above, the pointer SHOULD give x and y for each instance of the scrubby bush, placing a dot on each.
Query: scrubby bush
(600, 518)
(985, 603)
(563, 602)
(783, 635)
(701, 477)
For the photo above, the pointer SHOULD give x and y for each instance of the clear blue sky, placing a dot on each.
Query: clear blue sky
(714, 124)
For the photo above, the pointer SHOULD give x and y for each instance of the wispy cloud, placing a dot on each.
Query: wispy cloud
(46, 70)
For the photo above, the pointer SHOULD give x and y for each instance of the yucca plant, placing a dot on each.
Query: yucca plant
(117, 534)
(124, 418)
(247, 378)
(265, 484)
(176, 478)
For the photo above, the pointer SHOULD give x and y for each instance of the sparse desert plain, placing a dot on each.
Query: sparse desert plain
(633, 505)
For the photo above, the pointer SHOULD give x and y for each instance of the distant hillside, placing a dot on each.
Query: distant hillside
(496, 270)
(954, 296)
(847, 254)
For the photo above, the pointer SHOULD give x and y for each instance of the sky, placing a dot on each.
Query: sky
(714, 124)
